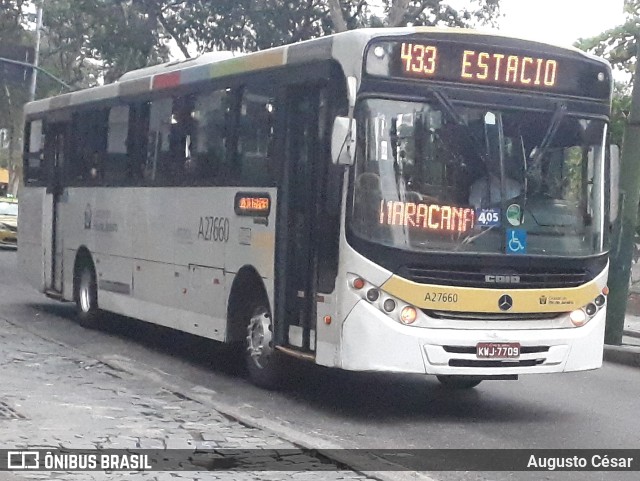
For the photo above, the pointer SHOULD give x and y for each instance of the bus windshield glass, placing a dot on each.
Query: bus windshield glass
(433, 177)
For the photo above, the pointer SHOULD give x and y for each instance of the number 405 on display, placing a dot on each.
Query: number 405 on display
(487, 217)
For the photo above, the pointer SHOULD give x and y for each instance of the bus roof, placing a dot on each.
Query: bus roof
(346, 48)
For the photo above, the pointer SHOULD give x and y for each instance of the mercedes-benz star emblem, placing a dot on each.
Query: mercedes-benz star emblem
(505, 303)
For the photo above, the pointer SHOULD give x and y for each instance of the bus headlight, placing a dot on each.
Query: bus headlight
(578, 317)
(408, 315)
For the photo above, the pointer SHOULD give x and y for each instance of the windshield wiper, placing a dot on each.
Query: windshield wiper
(539, 151)
(446, 104)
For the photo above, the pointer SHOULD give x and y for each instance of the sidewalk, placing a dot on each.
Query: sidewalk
(54, 397)
(628, 352)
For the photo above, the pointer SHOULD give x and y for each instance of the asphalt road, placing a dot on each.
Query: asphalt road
(596, 409)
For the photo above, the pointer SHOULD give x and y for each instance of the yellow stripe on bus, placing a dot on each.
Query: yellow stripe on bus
(471, 299)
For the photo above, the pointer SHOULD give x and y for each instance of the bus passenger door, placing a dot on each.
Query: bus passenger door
(297, 254)
(54, 151)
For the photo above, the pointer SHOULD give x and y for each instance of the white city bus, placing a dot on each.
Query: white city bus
(411, 200)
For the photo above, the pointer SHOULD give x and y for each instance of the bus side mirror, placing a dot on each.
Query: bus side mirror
(614, 182)
(342, 145)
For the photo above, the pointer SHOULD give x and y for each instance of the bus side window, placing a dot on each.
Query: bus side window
(179, 164)
(88, 147)
(255, 138)
(137, 138)
(155, 169)
(213, 118)
(115, 162)
(35, 172)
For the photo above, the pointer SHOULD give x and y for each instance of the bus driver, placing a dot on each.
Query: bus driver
(486, 190)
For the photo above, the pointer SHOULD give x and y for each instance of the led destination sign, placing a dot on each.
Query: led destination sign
(507, 66)
(252, 204)
(429, 217)
(476, 65)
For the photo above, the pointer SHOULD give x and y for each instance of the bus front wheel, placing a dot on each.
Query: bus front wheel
(86, 295)
(459, 382)
(264, 363)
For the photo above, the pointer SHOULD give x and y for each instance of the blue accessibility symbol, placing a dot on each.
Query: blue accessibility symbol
(516, 241)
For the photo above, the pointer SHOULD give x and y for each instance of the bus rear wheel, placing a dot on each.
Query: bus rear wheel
(459, 382)
(264, 363)
(86, 296)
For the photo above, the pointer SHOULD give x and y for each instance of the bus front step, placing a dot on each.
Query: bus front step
(53, 294)
(295, 353)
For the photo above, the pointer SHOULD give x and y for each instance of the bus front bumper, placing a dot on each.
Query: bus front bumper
(372, 341)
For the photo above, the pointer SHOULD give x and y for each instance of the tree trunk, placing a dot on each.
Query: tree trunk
(337, 17)
(622, 243)
(397, 12)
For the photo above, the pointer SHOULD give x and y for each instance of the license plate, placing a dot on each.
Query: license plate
(498, 350)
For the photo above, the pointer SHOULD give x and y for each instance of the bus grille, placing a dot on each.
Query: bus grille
(467, 276)
(491, 316)
(507, 363)
(533, 356)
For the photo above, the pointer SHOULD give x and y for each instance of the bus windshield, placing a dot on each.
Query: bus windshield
(429, 177)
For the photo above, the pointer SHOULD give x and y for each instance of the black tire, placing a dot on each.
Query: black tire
(459, 382)
(86, 295)
(264, 363)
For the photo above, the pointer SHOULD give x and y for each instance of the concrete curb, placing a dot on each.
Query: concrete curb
(328, 449)
(627, 355)
(635, 334)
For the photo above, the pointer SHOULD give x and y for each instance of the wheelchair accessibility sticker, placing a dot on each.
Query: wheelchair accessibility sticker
(516, 241)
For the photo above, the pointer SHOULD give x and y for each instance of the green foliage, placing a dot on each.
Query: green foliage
(84, 40)
(12, 95)
(244, 25)
(570, 183)
(619, 112)
(249, 25)
(439, 13)
(618, 45)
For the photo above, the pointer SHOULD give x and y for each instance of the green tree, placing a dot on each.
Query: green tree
(86, 42)
(89, 41)
(12, 94)
(398, 13)
(249, 25)
(245, 25)
(619, 46)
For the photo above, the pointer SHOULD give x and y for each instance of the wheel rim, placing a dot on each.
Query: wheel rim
(259, 340)
(84, 291)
